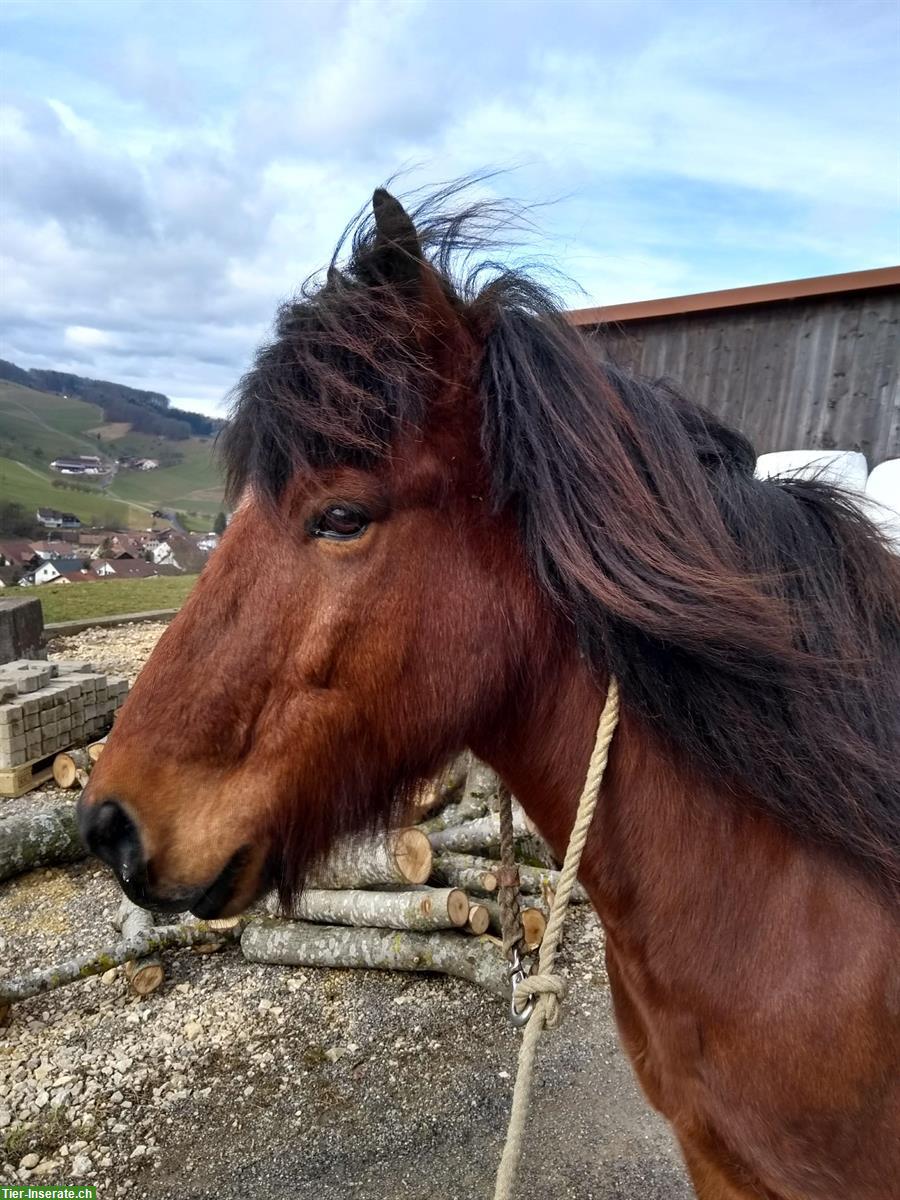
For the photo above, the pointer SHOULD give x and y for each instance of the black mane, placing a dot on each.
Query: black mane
(754, 624)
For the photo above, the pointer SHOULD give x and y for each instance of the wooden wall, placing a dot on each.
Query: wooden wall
(819, 373)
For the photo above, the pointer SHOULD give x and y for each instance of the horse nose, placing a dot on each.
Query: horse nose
(109, 833)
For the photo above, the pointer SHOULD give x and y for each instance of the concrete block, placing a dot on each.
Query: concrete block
(27, 666)
(10, 713)
(12, 730)
(21, 628)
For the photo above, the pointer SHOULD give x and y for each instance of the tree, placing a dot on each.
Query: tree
(220, 523)
(17, 521)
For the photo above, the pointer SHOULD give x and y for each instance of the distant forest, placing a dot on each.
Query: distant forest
(146, 412)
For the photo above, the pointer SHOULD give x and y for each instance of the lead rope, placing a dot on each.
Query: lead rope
(544, 988)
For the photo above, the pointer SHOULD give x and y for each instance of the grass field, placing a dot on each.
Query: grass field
(36, 427)
(193, 485)
(109, 597)
(31, 486)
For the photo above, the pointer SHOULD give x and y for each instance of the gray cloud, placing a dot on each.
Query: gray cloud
(167, 178)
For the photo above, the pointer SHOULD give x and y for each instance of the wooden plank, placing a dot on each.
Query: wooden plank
(16, 781)
(819, 373)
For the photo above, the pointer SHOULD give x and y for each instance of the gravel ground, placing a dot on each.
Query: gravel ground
(329, 1084)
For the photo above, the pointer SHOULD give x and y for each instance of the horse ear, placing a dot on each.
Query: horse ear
(398, 254)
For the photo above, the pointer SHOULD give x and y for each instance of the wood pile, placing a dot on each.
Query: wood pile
(420, 898)
(436, 883)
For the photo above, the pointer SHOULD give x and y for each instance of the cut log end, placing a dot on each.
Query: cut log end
(96, 749)
(69, 768)
(145, 976)
(412, 853)
(458, 907)
(479, 919)
(534, 926)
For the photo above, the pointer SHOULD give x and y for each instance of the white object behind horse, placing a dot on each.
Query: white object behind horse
(843, 468)
(883, 500)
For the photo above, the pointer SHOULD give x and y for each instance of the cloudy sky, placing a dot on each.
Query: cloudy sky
(170, 171)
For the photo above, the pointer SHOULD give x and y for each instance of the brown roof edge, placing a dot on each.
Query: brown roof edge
(766, 293)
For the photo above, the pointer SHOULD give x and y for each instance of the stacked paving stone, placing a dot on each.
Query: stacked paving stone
(49, 706)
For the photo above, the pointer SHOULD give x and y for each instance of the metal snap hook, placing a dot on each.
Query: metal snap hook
(516, 973)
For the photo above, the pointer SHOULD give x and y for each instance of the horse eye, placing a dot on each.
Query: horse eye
(340, 522)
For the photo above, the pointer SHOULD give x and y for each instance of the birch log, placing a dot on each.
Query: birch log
(69, 766)
(144, 975)
(298, 944)
(482, 836)
(398, 856)
(480, 791)
(162, 937)
(465, 871)
(444, 788)
(38, 837)
(533, 881)
(430, 908)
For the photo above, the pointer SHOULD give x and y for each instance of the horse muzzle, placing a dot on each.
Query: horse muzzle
(110, 834)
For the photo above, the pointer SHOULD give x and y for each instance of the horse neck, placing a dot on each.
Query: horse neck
(664, 843)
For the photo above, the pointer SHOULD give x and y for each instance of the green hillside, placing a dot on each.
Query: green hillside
(191, 486)
(36, 427)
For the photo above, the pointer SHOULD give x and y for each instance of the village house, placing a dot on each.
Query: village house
(52, 519)
(52, 549)
(78, 464)
(93, 537)
(119, 545)
(17, 552)
(50, 571)
(107, 568)
(178, 550)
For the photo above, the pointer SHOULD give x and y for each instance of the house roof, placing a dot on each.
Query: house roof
(131, 568)
(121, 543)
(878, 279)
(66, 564)
(17, 550)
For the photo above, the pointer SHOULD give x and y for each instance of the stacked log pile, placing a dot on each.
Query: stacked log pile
(420, 898)
(445, 905)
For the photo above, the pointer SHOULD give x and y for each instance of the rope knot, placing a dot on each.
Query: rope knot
(553, 987)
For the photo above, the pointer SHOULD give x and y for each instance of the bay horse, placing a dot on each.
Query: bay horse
(454, 521)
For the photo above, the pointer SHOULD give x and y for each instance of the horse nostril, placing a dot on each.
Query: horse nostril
(111, 835)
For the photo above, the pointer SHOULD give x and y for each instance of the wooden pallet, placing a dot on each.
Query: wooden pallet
(16, 781)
